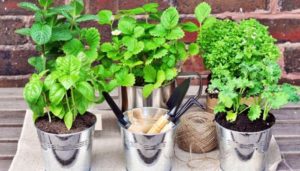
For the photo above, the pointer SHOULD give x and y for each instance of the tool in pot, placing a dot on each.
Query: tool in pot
(165, 119)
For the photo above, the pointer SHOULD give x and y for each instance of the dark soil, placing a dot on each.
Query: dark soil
(57, 126)
(243, 124)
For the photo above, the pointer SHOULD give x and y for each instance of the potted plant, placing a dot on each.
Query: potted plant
(147, 44)
(242, 57)
(64, 85)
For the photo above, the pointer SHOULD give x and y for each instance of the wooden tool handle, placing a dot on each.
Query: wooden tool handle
(159, 125)
(168, 127)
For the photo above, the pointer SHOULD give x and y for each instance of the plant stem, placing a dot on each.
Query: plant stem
(48, 113)
(68, 104)
(73, 100)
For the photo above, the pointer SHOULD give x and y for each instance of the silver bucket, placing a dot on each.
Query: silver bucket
(132, 97)
(245, 151)
(148, 152)
(67, 152)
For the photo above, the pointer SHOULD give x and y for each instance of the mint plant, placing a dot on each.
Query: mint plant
(242, 57)
(149, 50)
(67, 76)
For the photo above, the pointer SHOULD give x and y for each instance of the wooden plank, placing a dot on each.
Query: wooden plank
(13, 104)
(5, 164)
(12, 118)
(287, 114)
(290, 162)
(8, 150)
(289, 145)
(286, 129)
(10, 134)
(11, 93)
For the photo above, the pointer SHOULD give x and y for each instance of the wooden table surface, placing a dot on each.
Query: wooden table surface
(12, 111)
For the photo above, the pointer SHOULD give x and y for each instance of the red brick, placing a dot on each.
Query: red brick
(194, 63)
(292, 59)
(128, 4)
(284, 29)
(219, 6)
(14, 62)
(293, 78)
(7, 32)
(288, 5)
(190, 36)
(95, 5)
(10, 7)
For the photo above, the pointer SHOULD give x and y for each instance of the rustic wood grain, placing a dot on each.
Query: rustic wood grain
(4, 164)
(10, 134)
(11, 118)
(8, 150)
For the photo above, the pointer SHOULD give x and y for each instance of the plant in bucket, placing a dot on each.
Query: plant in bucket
(147, 44)
(64, 85)
(242, 57)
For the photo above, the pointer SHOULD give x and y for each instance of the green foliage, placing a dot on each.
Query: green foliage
(242, 57)
(149, 49)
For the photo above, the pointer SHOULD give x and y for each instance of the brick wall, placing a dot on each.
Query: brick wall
(282, 17)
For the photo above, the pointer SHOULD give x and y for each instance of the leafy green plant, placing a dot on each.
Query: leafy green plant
(67, 77)
(147, 50)
(242, 57)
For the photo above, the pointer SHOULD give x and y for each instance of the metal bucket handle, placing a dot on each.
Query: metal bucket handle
(193, 75)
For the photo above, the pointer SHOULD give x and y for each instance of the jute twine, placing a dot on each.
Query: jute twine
(196, 132)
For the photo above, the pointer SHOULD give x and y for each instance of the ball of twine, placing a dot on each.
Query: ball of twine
(196, 132)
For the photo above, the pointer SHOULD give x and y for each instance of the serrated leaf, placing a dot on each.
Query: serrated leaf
(78, 7)
(68, 119)
(86, 17)
(106, 47)
(175, 34)
(161, 53)
(23, 31)
(225, 99)
(56, 93)
(126, 25)
(194, 49)
(92, 37)
(149, 74)
(86, 90)
(38, 63)
(151, 7)
(45, 3)
(138, 31)
(73, 47)
(158, 31)
(170, 18)
(60, 34)
(126, 79)
(147, 90)
(231, 116)
(69, 65)
(40, 34)
(171, 73)
(190, 27)
(105, 17)
(28, 6)
(202, 11)
(254, 112)
(161, 77)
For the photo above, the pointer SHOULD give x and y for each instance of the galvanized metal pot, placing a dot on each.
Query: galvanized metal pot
(67, 152)
(148, 152)
(243, 151)
(132, 97)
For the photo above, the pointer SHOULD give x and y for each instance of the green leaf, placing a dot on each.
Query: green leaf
(78, 7)
(86, 90)
(45, 3)
(38, 108)
(28, 6)
(106, 47)
(33, 91)
(170, 18)
(158, 31)
(56, 93)
(151, 7)
(225, 99)
(86, 17)
(194, 49)
(139, 31)
(161, 77)
(73, 47)
(38, 63)
(161, 53)
(171, 73)
(40, 34)
(147, 90)
(125, 79)
(175, 34)
(105, 17)
(92, 37)
(149, 74)
(68, 119)
(68, 80)
(254, 112)
(82, 104)
(126, 25)
(23, 31)
(50, 80)
(60, 34)
(231, 116)
(190, 27)
(69, 65)
(57, 110)
(202, 11)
